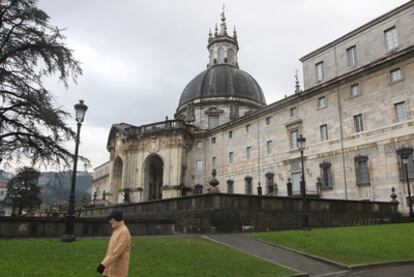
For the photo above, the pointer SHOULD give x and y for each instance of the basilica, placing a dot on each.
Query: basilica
(353, 122)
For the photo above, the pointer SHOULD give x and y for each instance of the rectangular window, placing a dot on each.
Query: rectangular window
(269, 147)
(399, 112)
(213, 140)
(358, 123)
(268, 120)
(395, 75)
(294, 139)
(391, 40)
(199, 165)
(319, 71)
(248, 187)
(292, 111)
(352, 56)
(213, 162)
(324, 132)
(321, 102)
(231, 157)
(410, 168)
(247, 128)
(355, 90)
(230, 134)
(362, 171)
(270, 184)
(213, 121)
(248, 150)
(326, 174)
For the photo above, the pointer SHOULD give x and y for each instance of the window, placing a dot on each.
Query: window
(198, 189)
(231, 157)
(248, 187)
(230, 134)
(355, 90)
(294, 139)
(352, 56)
(358, 123)
(213, 121)
(361, 169)
(230, 56)
(292, 111)
(410, 165)
(230, 186)
(399, 112)
(213, 140)
(200, 145)
(268, 120)
(220, 55)
(395, 75)
(199, 165)
(326, 174)
(213, 162)
(248, 148)
(270, 185)
(247, 128)
(319, 71)
(321, 102)
(391, 40)
(269, 147)
(324, 132)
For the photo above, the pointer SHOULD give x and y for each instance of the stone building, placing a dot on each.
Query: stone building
(356, 112)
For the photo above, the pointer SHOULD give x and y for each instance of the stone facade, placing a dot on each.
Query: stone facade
(354, 121)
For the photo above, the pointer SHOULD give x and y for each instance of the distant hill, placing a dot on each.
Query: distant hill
(55, 186)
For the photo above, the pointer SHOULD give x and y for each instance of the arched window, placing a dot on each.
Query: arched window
(220, 55)
(230, 56)
(211, 57)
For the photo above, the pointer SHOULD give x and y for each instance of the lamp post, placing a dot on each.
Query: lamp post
(69, 235)
(301, 145)
(405, 156)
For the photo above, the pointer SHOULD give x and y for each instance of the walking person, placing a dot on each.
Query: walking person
(116, 261)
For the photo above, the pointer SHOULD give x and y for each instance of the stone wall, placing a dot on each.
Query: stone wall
(36, 227)
(221, 212)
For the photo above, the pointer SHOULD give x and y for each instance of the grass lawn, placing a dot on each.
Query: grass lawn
(350, 245)
(150, 257)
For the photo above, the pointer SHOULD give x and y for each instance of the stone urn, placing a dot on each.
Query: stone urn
(213, 183)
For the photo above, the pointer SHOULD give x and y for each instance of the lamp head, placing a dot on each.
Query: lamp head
(80, 109)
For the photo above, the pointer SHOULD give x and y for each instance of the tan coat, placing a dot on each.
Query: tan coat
(116, 261)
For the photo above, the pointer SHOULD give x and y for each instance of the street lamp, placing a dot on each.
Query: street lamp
(405, 156)
(301, 141)
(69, 235)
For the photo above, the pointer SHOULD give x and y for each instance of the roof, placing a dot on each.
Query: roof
(222, 80)
(358, 30)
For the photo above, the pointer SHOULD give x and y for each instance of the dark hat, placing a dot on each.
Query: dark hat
(117, 215)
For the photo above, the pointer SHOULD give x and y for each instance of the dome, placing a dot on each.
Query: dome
(222, 80)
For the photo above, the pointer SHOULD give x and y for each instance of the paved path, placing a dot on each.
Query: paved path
(275, 254)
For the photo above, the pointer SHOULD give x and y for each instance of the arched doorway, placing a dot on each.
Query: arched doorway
(153, 180)
(117, 179)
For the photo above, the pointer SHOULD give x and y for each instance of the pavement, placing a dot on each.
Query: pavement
(304, 264)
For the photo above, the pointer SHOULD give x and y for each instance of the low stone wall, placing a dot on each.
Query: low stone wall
(46, 227)
(219, 212)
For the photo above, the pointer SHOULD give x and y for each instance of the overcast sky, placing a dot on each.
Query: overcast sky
(138, 56)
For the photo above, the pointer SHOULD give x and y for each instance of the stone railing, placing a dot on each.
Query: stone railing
(157, 127)
(219, 212)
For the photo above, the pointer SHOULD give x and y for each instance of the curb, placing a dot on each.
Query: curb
(380, 264)
(354, 267)
(318, 258)
(299, 273)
